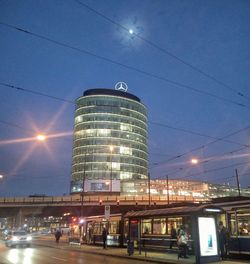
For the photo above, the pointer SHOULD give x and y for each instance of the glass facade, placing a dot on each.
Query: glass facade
(110, 152)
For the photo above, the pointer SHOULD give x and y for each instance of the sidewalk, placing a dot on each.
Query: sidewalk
(155, 257)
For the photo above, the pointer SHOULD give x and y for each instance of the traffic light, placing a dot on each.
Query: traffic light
(118, 202)
(100, 202)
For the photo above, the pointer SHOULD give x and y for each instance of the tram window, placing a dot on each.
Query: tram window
(96, 229)
(244, 223)
(126, 228)
(147, 226)
(159, 226)
(113, 227)
(176, 221)
(232, 225)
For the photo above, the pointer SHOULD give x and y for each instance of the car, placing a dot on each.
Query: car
(18, 238)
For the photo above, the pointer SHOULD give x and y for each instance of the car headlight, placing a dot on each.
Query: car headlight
(14, 238)
(29, 238)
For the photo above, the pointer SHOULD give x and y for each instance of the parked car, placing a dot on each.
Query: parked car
(18, 238)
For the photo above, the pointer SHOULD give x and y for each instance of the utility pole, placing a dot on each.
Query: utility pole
(237, 180)
(111, 148)
(167, 189)
(149, 196)
(83, 183)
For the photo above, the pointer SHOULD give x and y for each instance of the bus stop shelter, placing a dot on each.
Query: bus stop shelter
(151, 229)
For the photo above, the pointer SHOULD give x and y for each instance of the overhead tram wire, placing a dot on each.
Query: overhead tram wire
(216, 169)
(205, 160)
(152, 122)
(156, 46)
(204, 145)
(61, 99)
(35, 92)
(208, 159)
(152, 75)
(195, 133)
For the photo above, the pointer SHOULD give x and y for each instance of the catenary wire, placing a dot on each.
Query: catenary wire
(155, 76)
(203, 146)
(71, 102)
(152, 122)
(156, 46)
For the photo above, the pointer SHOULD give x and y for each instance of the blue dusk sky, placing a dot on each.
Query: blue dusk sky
(188, 61)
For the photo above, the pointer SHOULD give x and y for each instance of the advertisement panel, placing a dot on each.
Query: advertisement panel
(107, 211)
(207, 236)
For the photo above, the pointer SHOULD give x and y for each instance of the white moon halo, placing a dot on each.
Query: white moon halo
(131, 31)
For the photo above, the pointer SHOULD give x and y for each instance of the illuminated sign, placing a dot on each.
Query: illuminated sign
(213, 210)
(207, 236)
(121, 86)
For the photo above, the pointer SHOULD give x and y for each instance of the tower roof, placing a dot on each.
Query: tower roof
(104, 91)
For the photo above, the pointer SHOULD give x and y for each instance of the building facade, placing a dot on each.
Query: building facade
(110, 152)
(193, 189)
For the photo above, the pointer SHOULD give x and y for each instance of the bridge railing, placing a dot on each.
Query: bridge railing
(95, 199)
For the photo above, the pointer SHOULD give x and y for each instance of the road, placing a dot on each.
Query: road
(46, 255)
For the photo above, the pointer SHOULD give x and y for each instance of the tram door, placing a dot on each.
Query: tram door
(134, 229)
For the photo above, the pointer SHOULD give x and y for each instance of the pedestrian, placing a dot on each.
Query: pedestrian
(104, 237)
(58, 234)
(173, 236)
(223, 240)
(182, 241)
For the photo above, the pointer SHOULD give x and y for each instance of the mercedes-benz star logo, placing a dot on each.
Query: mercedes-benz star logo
(121, 86)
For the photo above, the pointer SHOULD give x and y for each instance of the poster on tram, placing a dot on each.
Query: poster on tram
(207, 236)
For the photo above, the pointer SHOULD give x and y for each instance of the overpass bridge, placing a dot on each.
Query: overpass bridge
(20, 208)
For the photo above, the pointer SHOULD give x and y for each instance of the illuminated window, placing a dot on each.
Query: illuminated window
(146, 226)
(126, 127)
(159, 226)
(90, 132)
(125, 150)
(115, 166)
(103, 132)
(125, 175)
(78, 119)
(175, 221)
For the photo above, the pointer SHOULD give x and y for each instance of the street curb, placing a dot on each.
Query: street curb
(111, 255)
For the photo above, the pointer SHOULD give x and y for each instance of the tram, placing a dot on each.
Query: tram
(93, 227)
(237, 221)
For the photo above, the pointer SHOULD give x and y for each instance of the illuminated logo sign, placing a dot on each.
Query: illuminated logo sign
(121, 86)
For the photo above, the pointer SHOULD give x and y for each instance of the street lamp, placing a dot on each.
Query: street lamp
(167, 189)
(111, 148)
(194, 161)
(41, 137)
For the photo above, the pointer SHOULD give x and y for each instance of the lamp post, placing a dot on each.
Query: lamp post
(167, 189)
(83, 183)
(237, 180)
(111, 148)
(149, 195)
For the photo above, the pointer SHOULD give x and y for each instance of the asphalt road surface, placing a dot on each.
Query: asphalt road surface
(46, 255)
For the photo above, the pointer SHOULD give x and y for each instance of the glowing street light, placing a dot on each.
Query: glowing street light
(194, 161)
(41, 137)
(1, 176)
(131, 31)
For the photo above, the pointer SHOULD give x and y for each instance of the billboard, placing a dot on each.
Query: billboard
(207, 236)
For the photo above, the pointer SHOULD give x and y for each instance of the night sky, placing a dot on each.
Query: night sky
(188, 61)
